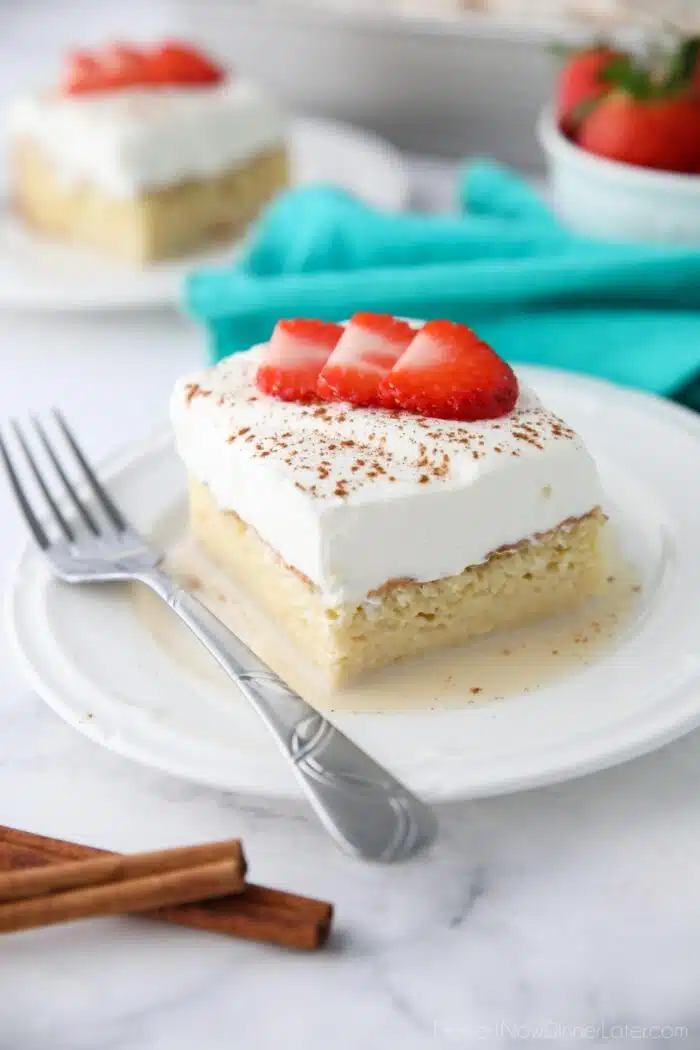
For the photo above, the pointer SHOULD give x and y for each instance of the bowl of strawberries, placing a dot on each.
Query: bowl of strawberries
(622, 142)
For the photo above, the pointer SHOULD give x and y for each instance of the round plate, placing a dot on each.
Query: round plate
(36, 273)
(93, 659)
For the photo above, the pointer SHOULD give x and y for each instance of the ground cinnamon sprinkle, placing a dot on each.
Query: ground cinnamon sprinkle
(393, 445)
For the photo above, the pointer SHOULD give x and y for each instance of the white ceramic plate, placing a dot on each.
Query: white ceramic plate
(93, 660)
(36, 273)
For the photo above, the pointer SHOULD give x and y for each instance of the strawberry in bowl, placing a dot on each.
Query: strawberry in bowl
(623, 144)
(582, 82)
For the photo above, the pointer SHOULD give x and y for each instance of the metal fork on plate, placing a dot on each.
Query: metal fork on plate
(367, 811)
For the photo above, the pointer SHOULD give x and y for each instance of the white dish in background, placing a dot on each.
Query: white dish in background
(36, 273)
(91, 656)
(605, 198)
(422, 79)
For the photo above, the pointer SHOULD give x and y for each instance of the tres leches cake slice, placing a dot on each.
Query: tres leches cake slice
(383, 489)
(145, 153)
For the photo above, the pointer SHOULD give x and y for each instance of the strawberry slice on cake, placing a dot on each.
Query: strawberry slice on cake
(449, 373)
(367, 351)
(180, 63)
(84, 75)
(296, 353)
(120, 66)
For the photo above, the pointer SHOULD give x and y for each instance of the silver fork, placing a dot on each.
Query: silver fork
(367, 811)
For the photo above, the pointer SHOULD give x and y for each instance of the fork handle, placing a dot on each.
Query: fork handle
(367, 811)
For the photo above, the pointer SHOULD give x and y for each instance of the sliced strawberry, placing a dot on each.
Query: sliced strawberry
(123, 66)
(449, 373)
(84, 74)
(295, 355)
(368, 349)
(178, 63)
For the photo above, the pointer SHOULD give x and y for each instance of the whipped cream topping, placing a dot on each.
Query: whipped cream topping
(136, 139)
(355, 498)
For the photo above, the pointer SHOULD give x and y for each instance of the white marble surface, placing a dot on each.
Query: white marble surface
(564, 917)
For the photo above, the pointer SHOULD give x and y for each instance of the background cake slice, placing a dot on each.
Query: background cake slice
(372, 534)
(146, 154)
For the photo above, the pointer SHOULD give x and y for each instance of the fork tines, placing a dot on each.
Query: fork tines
(53, 503)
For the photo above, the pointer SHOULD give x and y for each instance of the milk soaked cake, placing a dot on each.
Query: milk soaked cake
(145, 154)
(384, 489)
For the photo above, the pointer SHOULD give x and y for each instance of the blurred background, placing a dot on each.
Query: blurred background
(442, 77)
(443, 81)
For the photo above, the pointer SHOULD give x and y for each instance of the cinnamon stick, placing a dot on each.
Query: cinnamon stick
(142, 893)
(258, 913)
(113, 868)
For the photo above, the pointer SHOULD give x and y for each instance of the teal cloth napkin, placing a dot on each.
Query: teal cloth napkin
(538, 293)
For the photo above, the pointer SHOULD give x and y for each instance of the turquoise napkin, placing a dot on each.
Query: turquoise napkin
(535, 291)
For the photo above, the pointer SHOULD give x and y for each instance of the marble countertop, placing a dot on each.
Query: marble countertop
(563, 917)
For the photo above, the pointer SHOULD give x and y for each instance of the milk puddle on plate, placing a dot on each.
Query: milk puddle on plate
(491, 668)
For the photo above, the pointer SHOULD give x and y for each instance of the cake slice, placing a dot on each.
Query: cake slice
(371, 534)
(145, 154)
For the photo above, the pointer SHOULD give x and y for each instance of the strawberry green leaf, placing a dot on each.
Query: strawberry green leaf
(683, 64)
(631, 76)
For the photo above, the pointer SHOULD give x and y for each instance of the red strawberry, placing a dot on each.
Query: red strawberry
(651, 115)
(84, 74)
(178, 63)
(123, 66)
(368, 349)
(683, 66)
(295, 355)
(662, 133)
(580, 83)
(449, 373)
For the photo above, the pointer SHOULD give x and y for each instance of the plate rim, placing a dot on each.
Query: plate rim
(637, 743)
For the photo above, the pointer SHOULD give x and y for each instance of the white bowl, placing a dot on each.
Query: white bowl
(605, 198)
